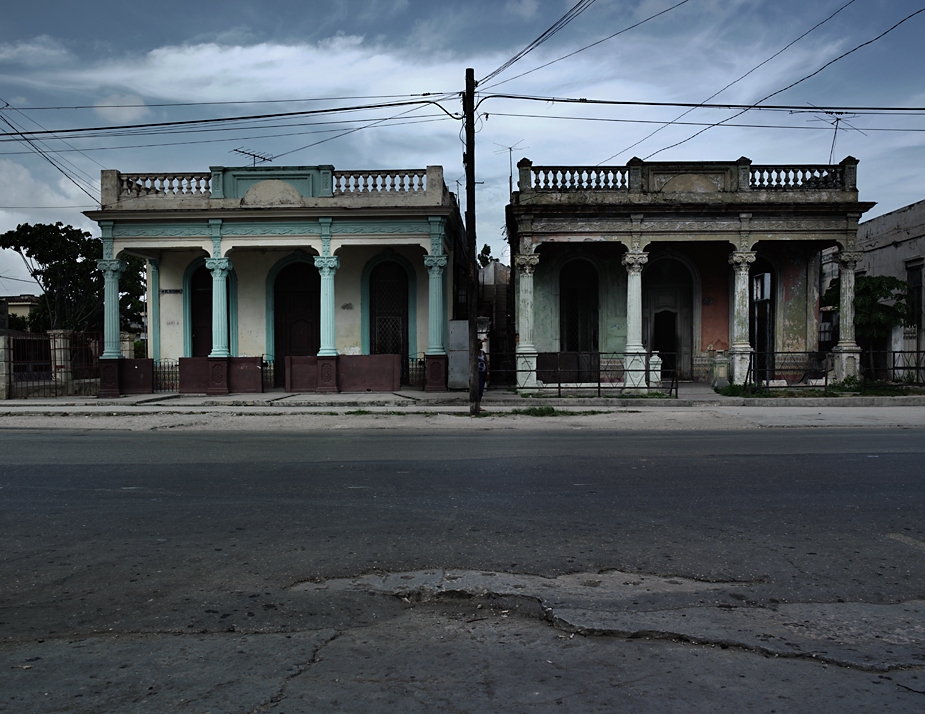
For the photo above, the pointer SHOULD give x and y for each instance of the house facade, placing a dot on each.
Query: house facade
(334, 280)
(704, 263)
(894, 244)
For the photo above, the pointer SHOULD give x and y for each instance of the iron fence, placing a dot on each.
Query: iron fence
(55, 365)
(587, 373)
(416, 370)
(788, 370)
(267, 373)
(166, 375)
(898, 367)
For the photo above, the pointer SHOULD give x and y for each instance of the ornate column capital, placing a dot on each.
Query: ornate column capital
(741, 260)
(327, 264)
(111, 268)
(219, 267)
(435, 264)
(526, 263)
(634, 261)
(848, 259)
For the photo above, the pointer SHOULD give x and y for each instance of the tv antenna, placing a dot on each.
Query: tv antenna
(836, 120)
(254, 155)
(510, 160)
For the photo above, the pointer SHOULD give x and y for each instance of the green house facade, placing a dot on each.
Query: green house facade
(301, 277)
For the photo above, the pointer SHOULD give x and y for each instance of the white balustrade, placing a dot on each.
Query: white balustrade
(796, 178)
(580, 178)
(348, 183)
(165, 185)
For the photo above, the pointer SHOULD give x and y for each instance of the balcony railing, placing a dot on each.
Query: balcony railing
(166, 185)
(348, 183)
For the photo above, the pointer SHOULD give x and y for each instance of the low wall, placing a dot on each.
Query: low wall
(245, 375)
(301, 374)
(369, 373)
(194, 375)
(136, 376)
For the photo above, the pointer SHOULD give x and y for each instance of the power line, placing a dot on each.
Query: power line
(770, 107)
(432, 118)
(587, 47)
(195, 122)
(790, 86)
(692, 123)
(753, 69)
(238, 102)
(576, 10)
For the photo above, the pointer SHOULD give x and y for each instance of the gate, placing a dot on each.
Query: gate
(56, 364)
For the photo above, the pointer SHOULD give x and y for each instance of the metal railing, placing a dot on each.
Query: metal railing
(896, 367)
(166, 376)
(788, 370)
(416, 370)
(55, 365)
(267, 373)
(586, 373)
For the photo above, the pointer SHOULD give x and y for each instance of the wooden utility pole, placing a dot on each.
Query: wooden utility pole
(472, 291)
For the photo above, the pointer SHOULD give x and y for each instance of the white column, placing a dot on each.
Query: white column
(740, 351)
(436, 315)
(219, 267)
(327, 266)
(847, 353)
(635, 365)
(526, 350)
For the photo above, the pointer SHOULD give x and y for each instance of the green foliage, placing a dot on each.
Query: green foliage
(731, 390)
(485, 256)
(62, 260)
(879, 304)
(19, 323)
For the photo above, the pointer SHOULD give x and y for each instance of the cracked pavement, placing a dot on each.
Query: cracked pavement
(374, 570)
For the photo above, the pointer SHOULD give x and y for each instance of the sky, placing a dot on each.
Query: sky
(102, 64)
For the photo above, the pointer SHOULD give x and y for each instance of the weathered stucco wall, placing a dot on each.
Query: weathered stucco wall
(711, 260)
(611, 294)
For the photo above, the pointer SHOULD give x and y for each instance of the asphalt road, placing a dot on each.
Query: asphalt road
(762, 570)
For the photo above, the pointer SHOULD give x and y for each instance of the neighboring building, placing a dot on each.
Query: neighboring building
(894, 244)
(698, 261)
(344, 280)
(20, 305)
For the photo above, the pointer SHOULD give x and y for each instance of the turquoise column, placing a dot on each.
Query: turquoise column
(111, 269)
(220, 267)
(154, 326)
(327, 265)
(435, 312)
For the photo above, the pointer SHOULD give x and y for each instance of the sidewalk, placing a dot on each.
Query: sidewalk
(690, 395)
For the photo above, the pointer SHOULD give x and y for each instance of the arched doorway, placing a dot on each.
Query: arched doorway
(296, 314)
(762, 304)
(668, 315)
(579, 321)
(388, 312)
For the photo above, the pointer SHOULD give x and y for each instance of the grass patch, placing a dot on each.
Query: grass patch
(358, 412)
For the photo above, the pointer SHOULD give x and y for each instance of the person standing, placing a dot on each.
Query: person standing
(483, 372)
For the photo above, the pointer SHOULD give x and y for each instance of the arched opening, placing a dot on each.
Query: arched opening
(762, 305)
(668, 315)
(296, 314)
(388, 312)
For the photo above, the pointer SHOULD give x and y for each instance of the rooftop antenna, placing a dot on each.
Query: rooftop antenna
(836, 119)
(255, 155)
(510, 160)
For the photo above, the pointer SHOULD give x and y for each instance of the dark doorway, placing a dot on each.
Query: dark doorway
(668, 314)
(201, 312)
(761, 324)
(578, 323)
(297, 315)
(388, 313)
(665, 340)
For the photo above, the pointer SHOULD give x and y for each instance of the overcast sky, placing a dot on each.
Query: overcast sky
(63, 66)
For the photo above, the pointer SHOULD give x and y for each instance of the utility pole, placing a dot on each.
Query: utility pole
(472, 291)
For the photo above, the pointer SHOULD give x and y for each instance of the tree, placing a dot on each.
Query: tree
(879, 305)
(62, 260)
(485, 256)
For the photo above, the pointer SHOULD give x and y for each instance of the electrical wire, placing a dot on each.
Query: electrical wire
(716, 94)
(793, 84)
(588, 47)
(574, 12)
(196, 122)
